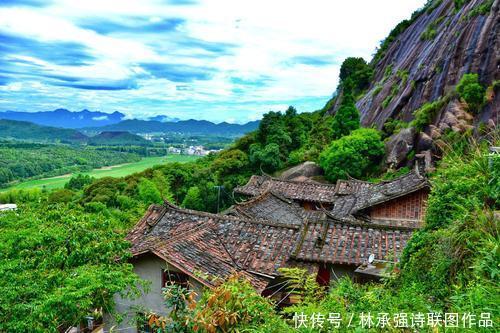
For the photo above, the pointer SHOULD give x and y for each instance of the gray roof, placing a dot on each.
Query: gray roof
(295, 190)
(274, 207)
(369, 194)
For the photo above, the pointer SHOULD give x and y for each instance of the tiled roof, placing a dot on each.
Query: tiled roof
(344, 243)
(212, 243)
(368, 194)
(270, 231)
(256, 246)
(295, 190)
(188, 240)
(270, 206)
(344, 187)
(323, 238)
(353, 194)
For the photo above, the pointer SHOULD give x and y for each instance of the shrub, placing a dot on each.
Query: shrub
(148, 193)
(78, 182)
(296, 157)
(62, 196)
(471, 91)
(427, 112)
(231, 307)
(347, 117)
(357, 155)
(377, 90)
(193, 199)
(429, 33)
(456, 248)
(460, 3)
(393, 126)
(21, 196)
(432, 4)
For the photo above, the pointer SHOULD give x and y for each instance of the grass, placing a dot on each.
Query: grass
(112, 171)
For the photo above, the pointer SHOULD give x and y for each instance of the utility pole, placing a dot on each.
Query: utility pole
(218, 196)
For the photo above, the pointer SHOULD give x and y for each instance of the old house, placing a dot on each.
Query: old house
(310, 194)
(351, 228)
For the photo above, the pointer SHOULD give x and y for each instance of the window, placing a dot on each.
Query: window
(178, 278)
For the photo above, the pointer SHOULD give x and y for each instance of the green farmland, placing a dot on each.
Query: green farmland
(111, 171)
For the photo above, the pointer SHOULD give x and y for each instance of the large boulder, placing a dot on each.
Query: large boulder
(398, 146)
(424, 142)
(306, 169)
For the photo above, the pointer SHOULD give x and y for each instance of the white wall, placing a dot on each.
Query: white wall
(147, 267)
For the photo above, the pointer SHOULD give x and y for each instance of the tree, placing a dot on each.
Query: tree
(272, 129)
(471, 91)
(193, 199)
(162, 183)
(297, 127)
(60, 196)
(231, 168)
(148, 193)
(357, 155)
(78, 182)
(104, 190)
(347, 117)
(268, 157)
(359, 71)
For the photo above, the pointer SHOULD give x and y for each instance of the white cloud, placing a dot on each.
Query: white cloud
(249, 40)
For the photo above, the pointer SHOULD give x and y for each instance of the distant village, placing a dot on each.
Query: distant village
(191, 150)
(180, 149)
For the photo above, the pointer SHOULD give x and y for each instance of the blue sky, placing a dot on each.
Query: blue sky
(217, 60)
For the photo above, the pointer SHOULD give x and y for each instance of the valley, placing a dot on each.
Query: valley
(120, 170)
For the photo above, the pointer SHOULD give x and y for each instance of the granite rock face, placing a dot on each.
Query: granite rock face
(415, 70)
(425, 63)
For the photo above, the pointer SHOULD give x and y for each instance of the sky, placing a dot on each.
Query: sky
(217, 60)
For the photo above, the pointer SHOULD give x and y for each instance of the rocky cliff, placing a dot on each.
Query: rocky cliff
(426, 60)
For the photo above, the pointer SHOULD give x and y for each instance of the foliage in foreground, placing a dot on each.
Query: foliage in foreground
(232, 306)
(58, 264)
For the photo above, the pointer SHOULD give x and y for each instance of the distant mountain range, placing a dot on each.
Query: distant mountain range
(23, 130)
(164, 118)
(96, 122)
(118, 139)
(183, 126)
(66, 119)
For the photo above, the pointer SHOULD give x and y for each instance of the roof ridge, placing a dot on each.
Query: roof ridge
(228, 217)
(358, 223)
(214, 231)
(262, 196)
(198, 212)
(412, 172)
(296, 182)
